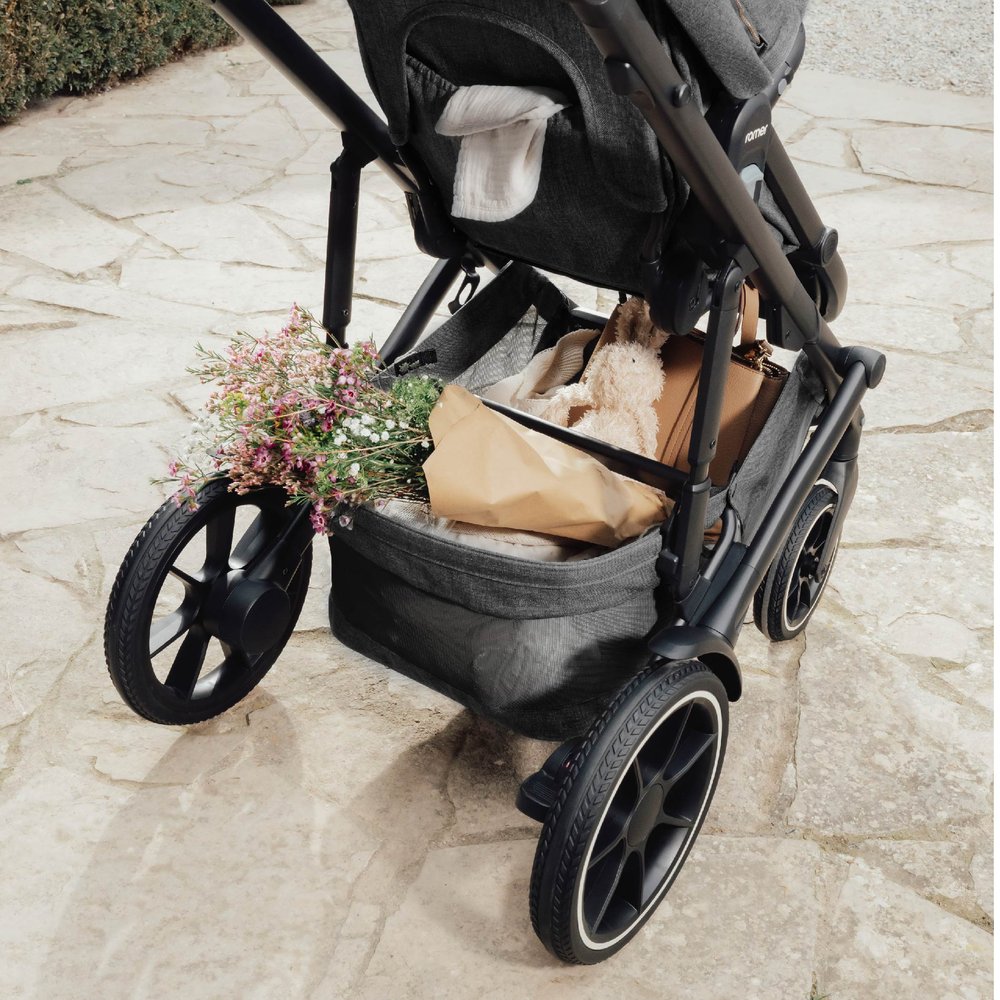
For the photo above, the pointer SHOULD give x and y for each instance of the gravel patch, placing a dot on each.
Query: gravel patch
(935, 44)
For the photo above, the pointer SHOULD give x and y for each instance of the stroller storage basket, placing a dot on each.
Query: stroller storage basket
(537, 646)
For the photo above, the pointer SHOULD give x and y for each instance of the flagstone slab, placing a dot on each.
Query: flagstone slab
(906, 216)
(827, 146)
(69, 365)
(89, 912)
(923, 329)
(829, 95)
(754, 792)
(929, 490)
(153, 182)
(947, 278)
(888, 938)
(920, 391)
(224, 233)
(270, 136)
(973, 682)
(101, 296)
(475, 897)
(880, 752)
(35, 656)
(61, 235)
(65, 475)
(20, 169)
(16, 316)
(950, 157)
(821, 180)
(949, 589)
(982, 876)
(234, 288)
(975, 259)
(939, 871)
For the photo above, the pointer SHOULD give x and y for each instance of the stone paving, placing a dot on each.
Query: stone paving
(345, 832)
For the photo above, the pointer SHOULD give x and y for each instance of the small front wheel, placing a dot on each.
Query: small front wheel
(628, 811)
(205, 601)
(790, 593)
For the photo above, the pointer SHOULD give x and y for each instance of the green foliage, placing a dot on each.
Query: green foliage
(77, 46)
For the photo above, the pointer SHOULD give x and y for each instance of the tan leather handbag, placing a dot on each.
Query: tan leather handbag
(752, 387)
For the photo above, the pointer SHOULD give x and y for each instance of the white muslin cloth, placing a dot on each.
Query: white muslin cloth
(500, 157)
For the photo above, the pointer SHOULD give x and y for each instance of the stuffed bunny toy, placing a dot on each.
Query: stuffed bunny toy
(614, 399)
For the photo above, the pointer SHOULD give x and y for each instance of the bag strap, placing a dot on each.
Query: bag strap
(750, 312)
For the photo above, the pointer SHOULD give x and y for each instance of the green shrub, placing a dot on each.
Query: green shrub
(77, 46)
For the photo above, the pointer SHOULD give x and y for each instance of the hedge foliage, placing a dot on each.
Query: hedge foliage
(77, 46)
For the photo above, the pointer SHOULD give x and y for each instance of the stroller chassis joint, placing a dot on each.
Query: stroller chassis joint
(622, 806)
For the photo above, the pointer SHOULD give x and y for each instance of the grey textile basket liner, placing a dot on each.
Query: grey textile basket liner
(538, 646)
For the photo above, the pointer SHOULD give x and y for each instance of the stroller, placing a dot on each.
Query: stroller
(661, 178)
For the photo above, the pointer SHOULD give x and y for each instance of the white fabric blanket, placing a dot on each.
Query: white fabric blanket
(500, 157)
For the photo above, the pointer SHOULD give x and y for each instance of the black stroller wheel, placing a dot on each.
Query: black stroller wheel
(628, 811)
(791, 591)
(194, 621)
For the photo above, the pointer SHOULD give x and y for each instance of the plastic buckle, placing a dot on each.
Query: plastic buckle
(469, 284)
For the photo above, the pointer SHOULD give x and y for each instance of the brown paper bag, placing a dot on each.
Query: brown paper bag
(486, 469)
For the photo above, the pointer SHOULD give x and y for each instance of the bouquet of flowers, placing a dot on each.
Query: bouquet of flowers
(290, 411)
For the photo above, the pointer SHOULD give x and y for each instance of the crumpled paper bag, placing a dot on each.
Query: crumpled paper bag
(486, 469)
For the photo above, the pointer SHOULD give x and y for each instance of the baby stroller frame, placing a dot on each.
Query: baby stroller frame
(724, 156)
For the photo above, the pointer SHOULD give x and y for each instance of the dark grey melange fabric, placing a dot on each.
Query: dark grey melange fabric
(537, 646)
(714, 26)
(603, 173)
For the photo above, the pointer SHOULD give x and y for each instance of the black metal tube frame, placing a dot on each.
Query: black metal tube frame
(634, 53)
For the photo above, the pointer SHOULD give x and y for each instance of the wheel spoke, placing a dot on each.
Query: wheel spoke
(672, 819)
(167, 630)
(190, 583)
(219, 539)
(603, 883)
(815, 539)
(632, 882)
(639, 778)
(692, 749)
(188, 662)
(600, 855)
(684, 717)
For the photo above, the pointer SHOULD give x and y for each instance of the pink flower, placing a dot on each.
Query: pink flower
(318, 519)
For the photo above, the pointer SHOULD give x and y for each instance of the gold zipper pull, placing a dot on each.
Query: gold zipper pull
(756, 353)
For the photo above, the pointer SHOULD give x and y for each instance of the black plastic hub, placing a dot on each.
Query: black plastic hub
(254, 616)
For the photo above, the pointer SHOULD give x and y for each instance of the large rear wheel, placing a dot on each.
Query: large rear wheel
(628, 811)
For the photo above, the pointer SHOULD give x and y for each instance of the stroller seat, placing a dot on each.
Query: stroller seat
(604, 175)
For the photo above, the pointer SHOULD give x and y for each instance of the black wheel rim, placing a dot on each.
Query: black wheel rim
(193, 667)
(650, 821)
(805, 584)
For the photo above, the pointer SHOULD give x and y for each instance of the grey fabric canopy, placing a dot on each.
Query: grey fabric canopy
(743, 41)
